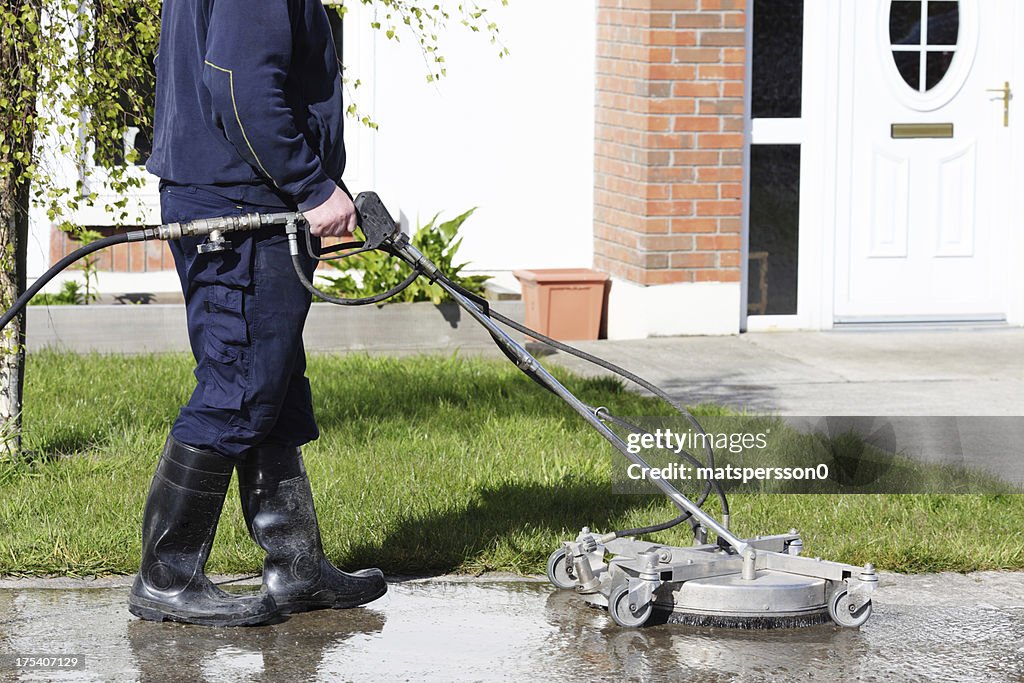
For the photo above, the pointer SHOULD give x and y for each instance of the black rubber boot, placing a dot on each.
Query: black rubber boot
(278, 507)
(179, 523)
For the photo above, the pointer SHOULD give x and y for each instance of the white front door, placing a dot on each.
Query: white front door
(928, 220)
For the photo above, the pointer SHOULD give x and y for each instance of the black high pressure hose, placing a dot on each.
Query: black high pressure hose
(103, 243)
(362, 301)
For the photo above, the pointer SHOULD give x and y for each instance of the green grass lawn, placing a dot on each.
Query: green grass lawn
(424, 465)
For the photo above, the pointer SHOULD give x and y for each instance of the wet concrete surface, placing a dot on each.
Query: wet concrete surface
(944, 627)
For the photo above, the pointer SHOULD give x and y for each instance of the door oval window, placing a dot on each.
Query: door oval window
(924, 36)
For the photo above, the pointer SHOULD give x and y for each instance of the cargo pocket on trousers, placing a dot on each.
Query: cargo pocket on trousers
(225, 363)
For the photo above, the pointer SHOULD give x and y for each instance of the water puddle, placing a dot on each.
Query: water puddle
(505, 631)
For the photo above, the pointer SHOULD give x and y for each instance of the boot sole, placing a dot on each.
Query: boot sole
(151, 611)
(296, 606)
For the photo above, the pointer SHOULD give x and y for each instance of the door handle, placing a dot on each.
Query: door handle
(1005, 90)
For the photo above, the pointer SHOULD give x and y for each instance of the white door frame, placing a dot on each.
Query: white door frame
(1015, 202)
(811, 132)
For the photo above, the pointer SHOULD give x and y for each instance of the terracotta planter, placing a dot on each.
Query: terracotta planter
(564, 303)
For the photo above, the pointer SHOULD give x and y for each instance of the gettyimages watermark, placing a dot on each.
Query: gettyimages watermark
(822, 454)
(665, 439)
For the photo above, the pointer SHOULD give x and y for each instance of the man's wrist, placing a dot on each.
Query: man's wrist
(315, 193)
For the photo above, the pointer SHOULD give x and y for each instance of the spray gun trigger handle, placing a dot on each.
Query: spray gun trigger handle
(373, 217)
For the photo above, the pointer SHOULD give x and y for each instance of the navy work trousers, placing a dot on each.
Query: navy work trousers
(246, 309)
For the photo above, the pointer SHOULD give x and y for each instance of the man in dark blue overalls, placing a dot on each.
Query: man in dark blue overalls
(249, 118)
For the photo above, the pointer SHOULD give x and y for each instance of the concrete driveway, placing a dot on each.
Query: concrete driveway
(930, 372)
(949, 396)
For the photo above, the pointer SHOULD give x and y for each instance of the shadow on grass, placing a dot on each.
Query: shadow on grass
(381, 389)
(63, 444)
(77, 404)
(498, 529)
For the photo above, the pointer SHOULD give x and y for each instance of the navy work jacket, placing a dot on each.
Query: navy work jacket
(249, 101)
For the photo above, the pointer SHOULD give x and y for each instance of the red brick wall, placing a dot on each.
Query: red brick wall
(137, 257)
(669, 140)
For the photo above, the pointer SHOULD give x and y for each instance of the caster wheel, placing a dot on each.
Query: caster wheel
(560, 571)
(623, 613)
(842, 612)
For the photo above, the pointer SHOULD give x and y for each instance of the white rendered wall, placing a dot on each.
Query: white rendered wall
(512, 136)
(638, 312)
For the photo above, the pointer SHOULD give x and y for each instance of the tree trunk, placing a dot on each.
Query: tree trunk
(18, 64)
(14, 200)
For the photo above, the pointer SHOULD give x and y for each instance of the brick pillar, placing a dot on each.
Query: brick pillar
(669, 140)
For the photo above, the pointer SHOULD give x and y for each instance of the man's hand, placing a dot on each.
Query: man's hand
(334, 218)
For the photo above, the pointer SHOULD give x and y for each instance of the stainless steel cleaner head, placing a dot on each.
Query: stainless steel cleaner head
(768, 585)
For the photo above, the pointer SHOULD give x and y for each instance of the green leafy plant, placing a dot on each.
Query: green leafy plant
(90, 271)
(71, 294)
(375, 272)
